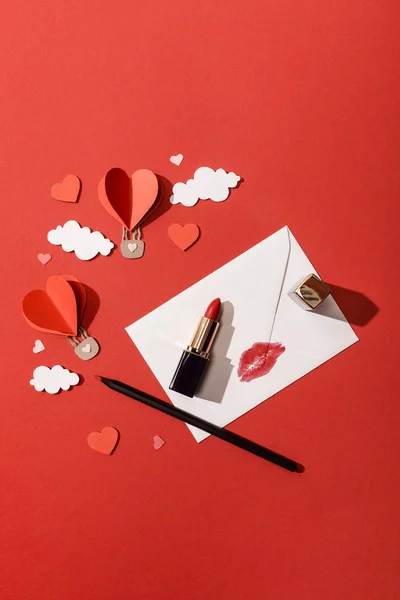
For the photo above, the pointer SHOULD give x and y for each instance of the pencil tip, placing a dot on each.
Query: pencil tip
(97, 377)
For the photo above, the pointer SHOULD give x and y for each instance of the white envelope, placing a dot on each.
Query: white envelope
(255, 308)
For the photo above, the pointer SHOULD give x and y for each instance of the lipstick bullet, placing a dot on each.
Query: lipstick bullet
(195, 358)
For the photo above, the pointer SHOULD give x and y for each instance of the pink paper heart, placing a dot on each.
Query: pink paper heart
(38, 347)
(132, 246)
(176, 160)
(44, 258)
(158, 442)
(86, 348)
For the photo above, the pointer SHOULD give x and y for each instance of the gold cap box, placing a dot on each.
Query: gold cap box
(310, 292)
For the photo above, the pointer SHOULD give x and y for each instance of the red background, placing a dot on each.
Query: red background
(301, 99)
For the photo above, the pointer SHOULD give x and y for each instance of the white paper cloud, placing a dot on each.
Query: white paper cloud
(74, 238)
(53, 380)
(206, 184)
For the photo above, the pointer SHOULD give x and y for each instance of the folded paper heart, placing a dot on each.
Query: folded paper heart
(38, 347)
(54, 310)
(59, 309)
(104, 441)
(44, 258)
(176, 160)
(183, 236)
(68, 190)
(80, 294)
(129, 199)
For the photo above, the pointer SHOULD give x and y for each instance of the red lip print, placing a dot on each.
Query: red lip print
(259, 360)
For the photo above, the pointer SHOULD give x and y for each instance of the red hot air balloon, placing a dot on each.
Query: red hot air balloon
(59, 309)
(130, 200)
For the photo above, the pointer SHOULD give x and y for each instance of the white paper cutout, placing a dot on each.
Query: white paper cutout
(38, 347)
(53, 380)
(206, 184)
(74, 238)
(176, 160)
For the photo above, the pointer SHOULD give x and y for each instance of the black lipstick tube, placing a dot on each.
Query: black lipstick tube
(195, 358)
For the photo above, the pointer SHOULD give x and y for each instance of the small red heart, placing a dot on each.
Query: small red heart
(68, 190)
(104, 441)
(183, 236)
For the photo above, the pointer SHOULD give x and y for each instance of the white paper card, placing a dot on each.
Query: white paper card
(255, 308)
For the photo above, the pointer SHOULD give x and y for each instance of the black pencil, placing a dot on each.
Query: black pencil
(219, 432)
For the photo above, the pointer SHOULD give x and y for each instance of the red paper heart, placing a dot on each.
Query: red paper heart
(68, 190)
(80, 294)
(183, 236)
(54, 310)
(128, 199)
(104, 441)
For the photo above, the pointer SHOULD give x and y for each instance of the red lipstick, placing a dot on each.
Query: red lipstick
(213, 309)
(195, 358)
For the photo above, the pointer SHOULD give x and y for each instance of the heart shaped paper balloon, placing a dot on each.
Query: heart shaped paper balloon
(128, 199)
(80, 294)
(54, 310)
